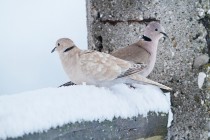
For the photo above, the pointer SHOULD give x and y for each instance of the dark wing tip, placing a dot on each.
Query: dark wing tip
(135, 69)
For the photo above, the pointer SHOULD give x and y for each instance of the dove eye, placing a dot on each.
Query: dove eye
(58, 44)
(156, 29)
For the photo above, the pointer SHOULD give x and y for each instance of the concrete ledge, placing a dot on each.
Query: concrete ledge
(153, 127)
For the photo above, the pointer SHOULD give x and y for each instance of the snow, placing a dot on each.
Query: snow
(170, 114)
(201, 78)
(201, 12)
(208, 12)
(40, 110)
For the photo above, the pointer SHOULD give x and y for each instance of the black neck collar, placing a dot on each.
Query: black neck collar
(146, 38)
(68, 49)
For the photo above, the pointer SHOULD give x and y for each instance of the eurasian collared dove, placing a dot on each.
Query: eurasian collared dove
(145, 50)
(97, 68)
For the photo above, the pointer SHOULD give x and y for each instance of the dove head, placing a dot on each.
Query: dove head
(154, 31)
(64, 45)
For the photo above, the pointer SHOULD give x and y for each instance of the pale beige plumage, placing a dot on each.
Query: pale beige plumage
(92, 67)
(96, 68)
(145, 50)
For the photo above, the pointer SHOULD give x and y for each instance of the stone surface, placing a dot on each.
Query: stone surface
(206, 22)
(200, 61)
(151, 127)
(118, 23)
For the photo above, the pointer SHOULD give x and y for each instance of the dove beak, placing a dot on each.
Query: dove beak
(164, 34)
(53, 50)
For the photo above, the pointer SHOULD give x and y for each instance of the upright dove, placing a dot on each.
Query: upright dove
(97, 68)
(145, 50)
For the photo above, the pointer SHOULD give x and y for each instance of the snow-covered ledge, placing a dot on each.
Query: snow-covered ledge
(85, 112)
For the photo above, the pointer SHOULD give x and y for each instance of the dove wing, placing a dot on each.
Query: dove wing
(101, 66)
(134, 53)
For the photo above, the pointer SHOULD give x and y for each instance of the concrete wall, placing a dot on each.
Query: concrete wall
(118, 23)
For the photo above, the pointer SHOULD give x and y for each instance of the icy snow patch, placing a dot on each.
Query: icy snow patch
(201, 78)
(170, 114)
(40, 110)
(208, 12)
(201, 12)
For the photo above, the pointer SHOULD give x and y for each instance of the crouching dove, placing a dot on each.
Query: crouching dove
(145, 50)
(96, 68)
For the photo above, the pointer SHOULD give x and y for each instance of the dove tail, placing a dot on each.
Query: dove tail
(141, 79)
